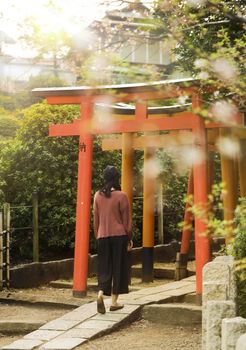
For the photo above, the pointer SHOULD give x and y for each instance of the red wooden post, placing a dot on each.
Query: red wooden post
(83, 206)
(202, 243)
(149, 183)
(188, 217)
(242, 168)
(210, 171)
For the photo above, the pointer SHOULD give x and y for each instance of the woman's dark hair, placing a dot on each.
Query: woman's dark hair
(111, 178)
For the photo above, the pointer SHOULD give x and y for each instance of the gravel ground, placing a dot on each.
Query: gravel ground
(144, 335)
(10, 312)
(5, 339)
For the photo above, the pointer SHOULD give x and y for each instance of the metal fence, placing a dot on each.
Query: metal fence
(4, 246)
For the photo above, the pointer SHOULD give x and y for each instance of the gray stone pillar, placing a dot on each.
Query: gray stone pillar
(215, 291)
(216, 311)
(229, 261)
(232, 329)
(241, 343)
(216, 285)
(217, 272)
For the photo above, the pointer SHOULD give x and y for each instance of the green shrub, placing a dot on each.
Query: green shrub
(239, 252)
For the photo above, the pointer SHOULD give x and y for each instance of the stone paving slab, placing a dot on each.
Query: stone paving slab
(63, 343)
(167, 288)
(134, 302)
(147, 291)
(86, 307)
(135, 295)
(156, 298)
(110, 316)
(96, 324)
(165, 294)
(60, 324)
(155, 290)
(133, 298)
(127, 309)
(78, 316)
(80, 333)
(182, 291)
(43, 334)
(23, 344)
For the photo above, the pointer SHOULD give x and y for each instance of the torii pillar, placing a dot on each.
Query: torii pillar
(202, 243)
(188, 218)
(83, 206)
(149, 183)
(242, 168)
(127, 166)
(83, 194)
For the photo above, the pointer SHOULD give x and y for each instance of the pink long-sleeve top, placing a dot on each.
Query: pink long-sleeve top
(112, 216)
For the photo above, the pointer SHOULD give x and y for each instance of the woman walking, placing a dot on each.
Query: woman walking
(113, 231)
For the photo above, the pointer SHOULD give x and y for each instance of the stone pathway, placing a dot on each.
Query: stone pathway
(84, 323)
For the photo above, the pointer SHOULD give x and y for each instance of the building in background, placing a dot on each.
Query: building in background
(15, 72)
(129, 33)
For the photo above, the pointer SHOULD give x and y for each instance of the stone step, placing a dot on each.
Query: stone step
(66, 304)
(91, 286)
(190, 298)
(159, 272)
(173, 314)
(19, 326)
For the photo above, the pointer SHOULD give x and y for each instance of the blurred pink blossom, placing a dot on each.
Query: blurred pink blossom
(201, 63)
(224, 111)
(228, 146)
(196, 3)
(224, 69)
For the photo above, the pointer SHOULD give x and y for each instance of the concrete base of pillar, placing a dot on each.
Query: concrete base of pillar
(147, 264)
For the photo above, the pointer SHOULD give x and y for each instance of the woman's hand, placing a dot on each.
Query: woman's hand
(130, 246)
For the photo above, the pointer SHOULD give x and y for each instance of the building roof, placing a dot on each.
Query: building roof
(6, 38)
(133, 15)
(134, 10)
(125, 88)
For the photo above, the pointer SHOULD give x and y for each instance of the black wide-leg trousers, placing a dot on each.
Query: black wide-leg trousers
(113, 265)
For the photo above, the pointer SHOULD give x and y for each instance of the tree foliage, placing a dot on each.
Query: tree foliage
(113, 70)
(210, 41)
(33, 162)
(9, 124)
(238, 249)
(46, 43)
(15, 101)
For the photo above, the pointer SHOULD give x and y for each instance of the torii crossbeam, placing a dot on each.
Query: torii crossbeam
(86, 127)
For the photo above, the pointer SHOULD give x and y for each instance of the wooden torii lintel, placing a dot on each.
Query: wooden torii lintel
(165, 141)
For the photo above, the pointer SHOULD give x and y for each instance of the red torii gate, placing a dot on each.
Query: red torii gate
(85, 127)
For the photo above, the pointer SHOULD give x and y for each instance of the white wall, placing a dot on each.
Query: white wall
(13, 73)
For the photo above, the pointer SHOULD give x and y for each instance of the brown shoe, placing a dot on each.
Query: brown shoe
(100, 306)
(115, 307)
